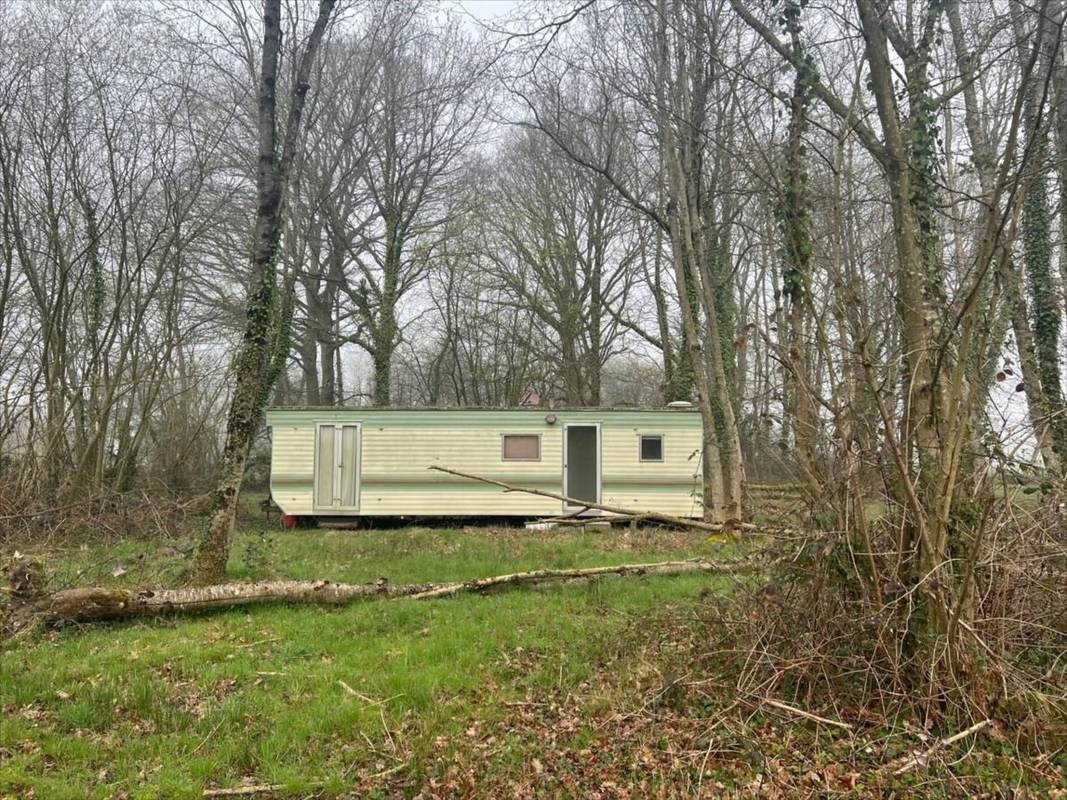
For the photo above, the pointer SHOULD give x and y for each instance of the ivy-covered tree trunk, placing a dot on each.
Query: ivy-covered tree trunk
(1058, 84)
(937, 341)
(1044, 300)
(384, 330)
(1035, 402)
(794, 219)
(382, 357)
(939, 396)
(1044, 295)
(260, 357)
(1008, 269)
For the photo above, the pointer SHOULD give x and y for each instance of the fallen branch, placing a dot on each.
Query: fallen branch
(364, 698)
(807, 714)
(245, 791)
(626, 513)
(580, 522)
(921, 758)
(91, 604)
(537, 576)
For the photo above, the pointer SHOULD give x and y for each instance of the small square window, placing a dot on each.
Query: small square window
(652, 448)
(521, 447)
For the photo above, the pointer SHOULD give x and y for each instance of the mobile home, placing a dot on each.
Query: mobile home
(374, 462)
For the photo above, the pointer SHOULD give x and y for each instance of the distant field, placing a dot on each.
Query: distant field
(321, 701)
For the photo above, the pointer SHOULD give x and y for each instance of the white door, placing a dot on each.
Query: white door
(337, 465)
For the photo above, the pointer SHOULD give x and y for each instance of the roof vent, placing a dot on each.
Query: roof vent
(679, 404)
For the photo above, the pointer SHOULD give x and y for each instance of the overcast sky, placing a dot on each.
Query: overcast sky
(487, 9)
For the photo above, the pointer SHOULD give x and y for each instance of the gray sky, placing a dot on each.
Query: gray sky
(486, 11)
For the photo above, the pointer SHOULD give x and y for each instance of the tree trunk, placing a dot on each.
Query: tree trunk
(1008, 271)
(1044, 298)
(907, 164)
(309, 364)
(1035, 403)
(98, 603)
(257, 363)
(385, 331)
(383, 367)
(1056, 10)
(722, 457)
(328, 351)
(794, 216)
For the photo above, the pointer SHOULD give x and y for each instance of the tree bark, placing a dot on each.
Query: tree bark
(984, 159)
(98, 603)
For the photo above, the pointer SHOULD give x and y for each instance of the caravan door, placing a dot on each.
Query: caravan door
(337, 466)
(581, 463)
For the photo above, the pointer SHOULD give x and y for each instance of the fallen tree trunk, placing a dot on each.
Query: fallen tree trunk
(98, 603)
(90, 604)
(625, 513)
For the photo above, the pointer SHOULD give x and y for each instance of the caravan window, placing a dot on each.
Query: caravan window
(521, 447)
(652, 448)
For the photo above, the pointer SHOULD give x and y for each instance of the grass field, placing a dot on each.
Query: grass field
(380, 695)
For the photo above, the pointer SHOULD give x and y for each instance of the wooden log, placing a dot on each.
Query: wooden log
(95, 603)
(655, 516)
(90, 604)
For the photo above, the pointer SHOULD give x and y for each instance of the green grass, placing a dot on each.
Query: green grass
(164, 708)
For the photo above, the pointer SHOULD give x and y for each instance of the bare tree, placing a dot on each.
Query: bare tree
(101, 203)
(666, 82)
(330, 213)
(265, 346)
(943, 332)
(426, 111)
(561, 246)
(477, 347)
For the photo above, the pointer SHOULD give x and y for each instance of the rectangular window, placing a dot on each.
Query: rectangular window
(521, 447)
(652, 448)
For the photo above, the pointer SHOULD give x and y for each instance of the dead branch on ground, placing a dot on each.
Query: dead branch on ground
(538, 576)
(807, 714)
(245, 791)
(921, 758)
